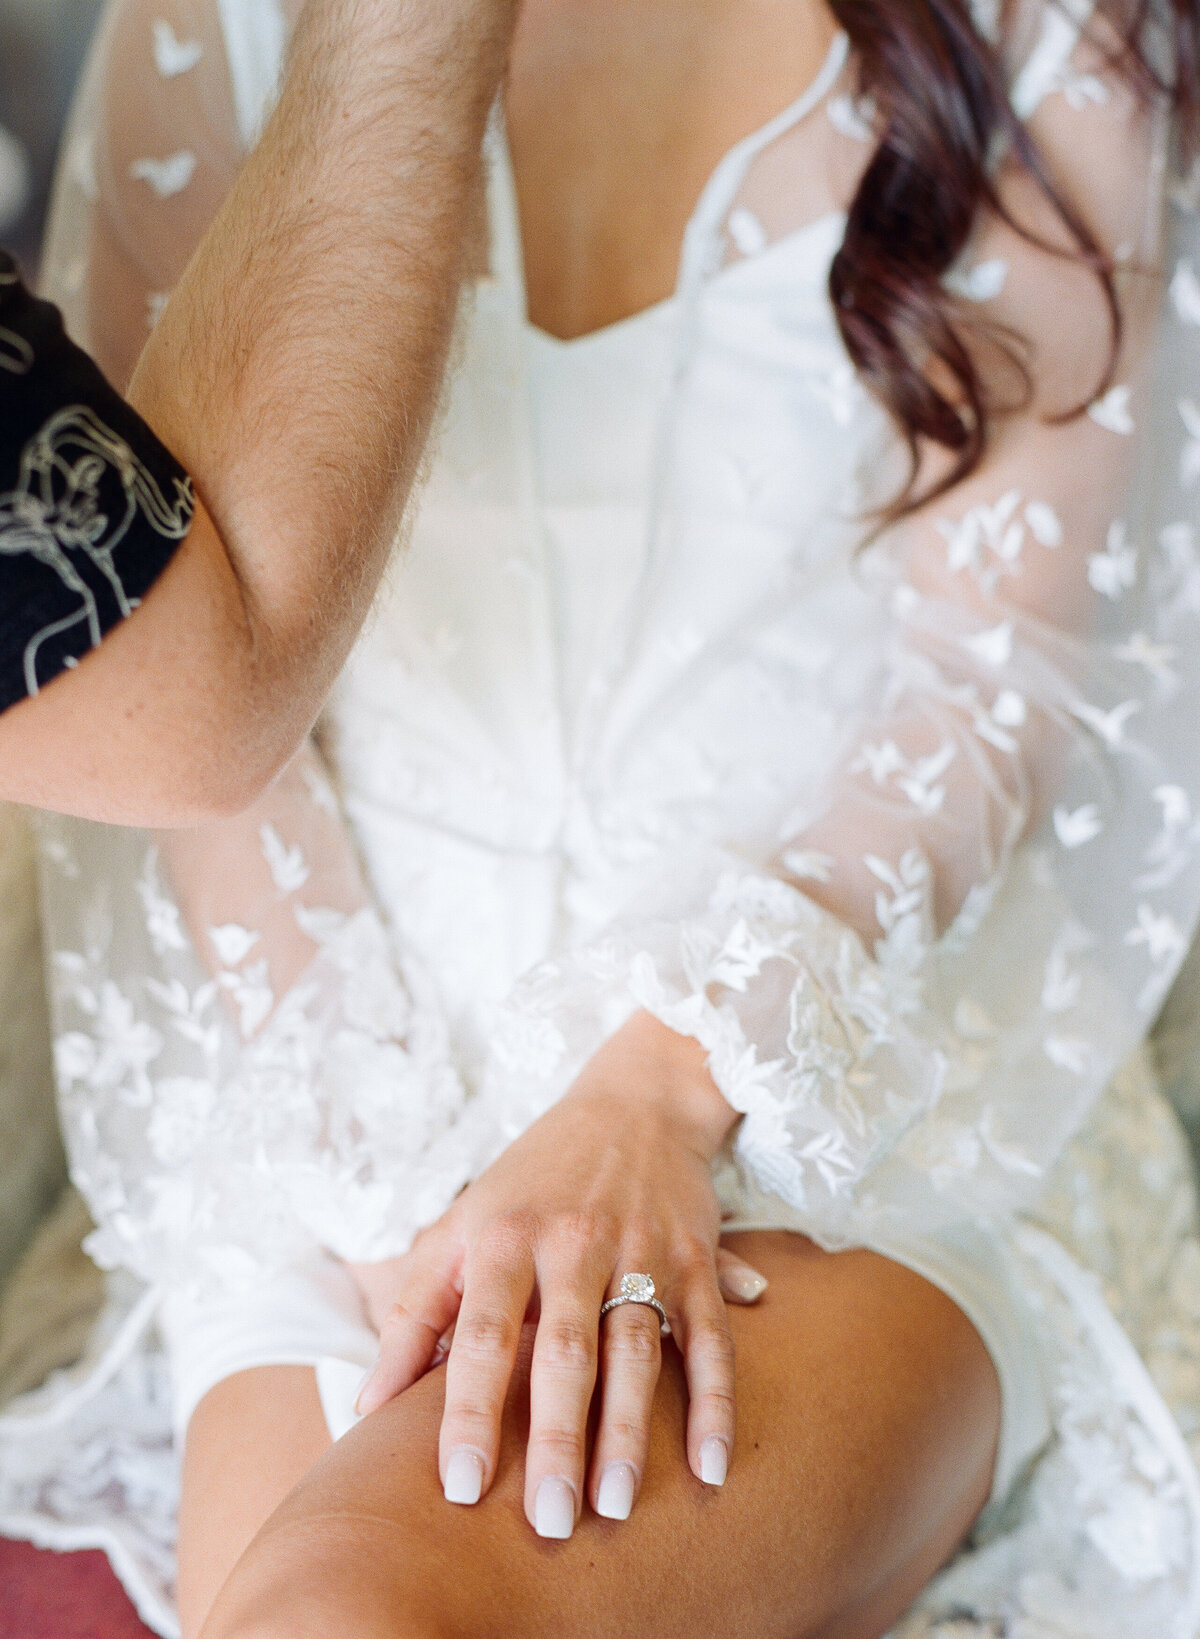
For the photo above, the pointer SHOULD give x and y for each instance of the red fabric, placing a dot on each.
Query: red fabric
(62, 1596)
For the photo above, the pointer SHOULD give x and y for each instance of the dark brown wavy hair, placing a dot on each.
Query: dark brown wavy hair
(943, 106)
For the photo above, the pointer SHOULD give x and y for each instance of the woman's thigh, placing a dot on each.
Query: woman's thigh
(868, 1416)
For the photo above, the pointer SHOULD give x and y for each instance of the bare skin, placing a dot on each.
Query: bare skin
(867, 1408)
(868, 1416)
(617, 115)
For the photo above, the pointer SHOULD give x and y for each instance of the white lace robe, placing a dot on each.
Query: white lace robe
(906, 837)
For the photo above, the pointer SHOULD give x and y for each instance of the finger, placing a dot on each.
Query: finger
(562, 1379)
(707, 1346)
(496, 1290)
(442, 1352)
(425, 1307)
(739, 1282)
(630, 1362)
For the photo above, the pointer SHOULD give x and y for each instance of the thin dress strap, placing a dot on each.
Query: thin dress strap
(702, 233)
(255, 34)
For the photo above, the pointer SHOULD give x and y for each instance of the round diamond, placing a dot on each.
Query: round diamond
(640, 1288)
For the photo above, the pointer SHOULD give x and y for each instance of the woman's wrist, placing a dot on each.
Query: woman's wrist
(657, 1067)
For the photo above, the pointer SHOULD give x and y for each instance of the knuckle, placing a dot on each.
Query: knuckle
(398, 1317)
(561, 1444)
(576, 1235)
(472, 1421)
(694, 1255)
(566, 1345)
(508, 1237)
(486, 1335)
(719, 1406)
(713, 1342)
(627, 1433)
(633, 1345)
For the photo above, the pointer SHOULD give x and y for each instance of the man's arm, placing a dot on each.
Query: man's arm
(294, 374)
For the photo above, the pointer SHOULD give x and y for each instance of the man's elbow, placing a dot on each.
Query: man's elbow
(217, 778)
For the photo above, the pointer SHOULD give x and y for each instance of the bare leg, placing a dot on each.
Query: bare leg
(868, 1418)
(251, 1440)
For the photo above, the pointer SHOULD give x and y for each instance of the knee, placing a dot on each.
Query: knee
(327, 1587)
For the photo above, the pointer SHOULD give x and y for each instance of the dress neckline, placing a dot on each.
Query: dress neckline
(788, 244)
(715, 199)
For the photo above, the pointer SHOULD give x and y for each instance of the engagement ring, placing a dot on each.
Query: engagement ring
(639, 1289)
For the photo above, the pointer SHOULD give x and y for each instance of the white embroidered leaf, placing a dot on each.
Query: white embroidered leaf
(232, 943)
(993, 647)
(74, 1057)
(1082, 91)
(809, 865)
(167, 177)
(162, 914)
(1113, 571)
(1010, 709)
(1060, 987)
(1109, 725)
(252, 993)
(1189, 460)
(1176, 805)
(288, 869)
(319, 924)
(1005, 1153)
(927, 799)
(1140, 650)
(1185, 292)
(1112, 411)
(880, 761)
(1075, 827)
(1161, 935)
(173, 56)
(320, 788)
(982, 282)
(1044, 523)
(1068, 1053)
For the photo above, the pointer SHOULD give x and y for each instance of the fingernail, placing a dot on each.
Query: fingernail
(747, 1285)
(554, 1510)
(615, 1500)
(362, 1404)
(714, 1460)
(464, 1477)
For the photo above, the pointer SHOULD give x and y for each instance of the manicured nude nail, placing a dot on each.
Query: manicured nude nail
(554, 1509)
(714, 1460)
(615, 1499)
(747, 1285)
(464, 1477)
(362, 1400)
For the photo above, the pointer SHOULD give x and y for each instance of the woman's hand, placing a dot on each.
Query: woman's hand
(615, 1179)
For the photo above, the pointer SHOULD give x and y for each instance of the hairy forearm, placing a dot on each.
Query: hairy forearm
(296, 368)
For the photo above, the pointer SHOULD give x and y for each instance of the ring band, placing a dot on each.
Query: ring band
(639, 1289)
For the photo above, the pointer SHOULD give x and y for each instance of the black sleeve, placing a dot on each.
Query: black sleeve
(92, 507)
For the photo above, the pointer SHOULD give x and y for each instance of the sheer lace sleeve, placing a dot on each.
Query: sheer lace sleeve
(229, 1006)
(156, 135)
(973, 921)
(247, 1067)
